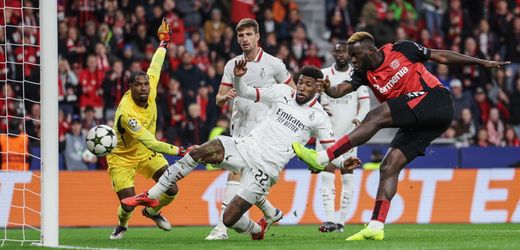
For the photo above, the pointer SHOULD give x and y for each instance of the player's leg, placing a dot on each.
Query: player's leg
(328, 195)
(378, 118)
(122, 177)
(234, 218)
(232, 187)
(347, 190)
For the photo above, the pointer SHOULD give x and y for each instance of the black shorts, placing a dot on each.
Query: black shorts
(421, 117)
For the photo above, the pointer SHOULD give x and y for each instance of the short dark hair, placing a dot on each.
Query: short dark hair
(135, 74)
(311, 71)
(247, 23)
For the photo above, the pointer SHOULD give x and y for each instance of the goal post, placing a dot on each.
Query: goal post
(49, 123)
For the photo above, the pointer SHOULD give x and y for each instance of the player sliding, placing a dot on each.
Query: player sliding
(137, 149)
(412, 99)
(259, 157)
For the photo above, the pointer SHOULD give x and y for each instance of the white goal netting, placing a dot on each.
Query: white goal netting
(20, 122)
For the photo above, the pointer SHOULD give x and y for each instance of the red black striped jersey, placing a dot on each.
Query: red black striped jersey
(401, 72)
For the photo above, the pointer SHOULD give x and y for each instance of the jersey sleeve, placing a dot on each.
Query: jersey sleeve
(227, 77)
(132, 126)
(413, 51)
(364, 103)
(358, 80)
(154, 71)
(281, 74)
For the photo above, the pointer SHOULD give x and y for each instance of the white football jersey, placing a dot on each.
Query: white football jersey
(345, 108)
(264, 71)
(288, 122)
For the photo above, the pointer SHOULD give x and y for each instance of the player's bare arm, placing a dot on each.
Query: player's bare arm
(335, 91)
(452, 57)
(225, 93)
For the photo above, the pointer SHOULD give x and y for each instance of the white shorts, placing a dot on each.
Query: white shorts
(241, 157)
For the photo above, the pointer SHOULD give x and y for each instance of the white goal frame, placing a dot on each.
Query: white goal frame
(49, 123)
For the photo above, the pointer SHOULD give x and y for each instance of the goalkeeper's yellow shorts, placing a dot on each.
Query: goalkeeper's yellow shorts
(122, 173)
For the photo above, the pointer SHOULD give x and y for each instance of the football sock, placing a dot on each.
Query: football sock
(267, 208)
(379, 215)
(174, 173)
(164, 200)
(123, 216)
(245, 224)
(232, 188)
(328, 194)
(342, 146)
(346, 197)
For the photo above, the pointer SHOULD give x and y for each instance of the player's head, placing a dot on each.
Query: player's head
(139, 87)
(307, 85)
(339, 52)
(247, 34)
(362, 50)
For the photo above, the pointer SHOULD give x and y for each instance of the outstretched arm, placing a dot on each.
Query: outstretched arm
(241, 88)
(452, 57)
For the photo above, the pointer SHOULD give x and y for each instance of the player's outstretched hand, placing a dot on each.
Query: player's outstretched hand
(351, 163)
(495, 64)
(240, 67)
(324, 83)
(164, 32)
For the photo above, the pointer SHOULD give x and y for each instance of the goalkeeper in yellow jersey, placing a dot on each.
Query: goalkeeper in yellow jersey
(137, 148)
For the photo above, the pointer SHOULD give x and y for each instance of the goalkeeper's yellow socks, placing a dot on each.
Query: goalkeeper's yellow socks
(164, 200)
(123, 216)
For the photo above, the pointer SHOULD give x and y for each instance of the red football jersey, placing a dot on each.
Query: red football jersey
(401, 72)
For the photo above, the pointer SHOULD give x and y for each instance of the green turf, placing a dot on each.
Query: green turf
(490, 236)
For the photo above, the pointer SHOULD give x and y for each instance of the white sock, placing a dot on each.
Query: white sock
(173, 174)
(232, 188)
(328, 194)
(267, 208)
(346, 196)
(245, 224)
(323, 157)
(376, 225)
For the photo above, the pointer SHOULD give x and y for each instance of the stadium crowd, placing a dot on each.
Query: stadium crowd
(101, 42)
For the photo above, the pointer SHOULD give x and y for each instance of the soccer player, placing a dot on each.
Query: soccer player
(264, 71)
(137, 148)
(261, 156)
(412, 99)
(345, 113)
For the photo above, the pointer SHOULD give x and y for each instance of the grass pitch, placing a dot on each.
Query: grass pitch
(439, 236)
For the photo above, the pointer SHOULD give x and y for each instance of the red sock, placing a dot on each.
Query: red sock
(381, 210)
(340, 147)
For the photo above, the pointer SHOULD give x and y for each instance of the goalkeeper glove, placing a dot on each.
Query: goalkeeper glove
(184, 151)
(164, 33)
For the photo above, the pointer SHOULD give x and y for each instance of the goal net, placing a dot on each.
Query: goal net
(22, 129)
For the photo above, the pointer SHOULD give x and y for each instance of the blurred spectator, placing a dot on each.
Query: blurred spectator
(461, 100)
(486, 39)
(312, 58)
(513, 52)
(473, 73)
(268, 24)
(14, 148)
(289, 25)
(76, 154)
(242, 9)
(91, 82)
(499, 21)
(271, 44)
(63, 125)
(88, 120)
(299, 43)
(175, 114)
(443, 74)
(190, 11)
(482, 138)
(455, 23)
(32, 124)
(115, 84)
(281, 9)
(482, 105)
(510, 138)
(190, 77)
(215, 27)
(433, 13)
(514, 107)
(102, 58)
(73, 48)
(465, 129)
(178, 30)
(196, 131)
(67, 84)
(403, 10)
(341, 20)
(495, 128)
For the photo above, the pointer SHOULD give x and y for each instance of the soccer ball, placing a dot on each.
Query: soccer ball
(101, 139)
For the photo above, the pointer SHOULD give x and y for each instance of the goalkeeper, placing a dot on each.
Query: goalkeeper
(137, 148)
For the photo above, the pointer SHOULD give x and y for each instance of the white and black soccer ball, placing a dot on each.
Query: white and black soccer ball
(101, 139)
